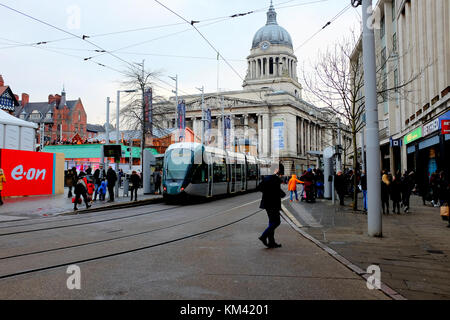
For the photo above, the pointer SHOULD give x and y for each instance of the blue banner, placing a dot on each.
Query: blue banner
(226, 134)
(181, 119)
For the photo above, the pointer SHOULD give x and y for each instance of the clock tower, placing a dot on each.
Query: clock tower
(272, 62)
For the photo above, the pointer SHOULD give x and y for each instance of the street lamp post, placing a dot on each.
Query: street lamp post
(176, 99)
(373, 139)
(202, 90)
(117, 129)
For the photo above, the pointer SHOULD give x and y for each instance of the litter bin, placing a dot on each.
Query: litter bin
(126, 184)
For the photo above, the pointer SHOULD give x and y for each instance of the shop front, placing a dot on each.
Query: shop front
(428, 148)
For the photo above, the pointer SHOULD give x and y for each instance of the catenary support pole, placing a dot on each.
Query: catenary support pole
(372, 131)
(107, 127)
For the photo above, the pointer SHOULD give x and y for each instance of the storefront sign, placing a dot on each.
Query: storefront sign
(430, 127)
(412, 136)
(27, 172)
(445, 126)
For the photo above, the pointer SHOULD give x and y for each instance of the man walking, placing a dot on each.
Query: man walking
(271, 201)
(135, 182)
(111, 177)
(340, 186)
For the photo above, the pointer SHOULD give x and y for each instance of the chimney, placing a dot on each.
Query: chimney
(57, 100)
(2, 83)
(25, 99)
(51, 99)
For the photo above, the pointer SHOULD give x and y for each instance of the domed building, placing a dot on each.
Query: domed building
(268, 118)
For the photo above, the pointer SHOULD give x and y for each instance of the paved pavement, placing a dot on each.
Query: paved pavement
(21, 208)
(199, 251)
(413, 254)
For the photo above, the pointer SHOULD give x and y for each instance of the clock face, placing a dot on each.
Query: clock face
(265, 45)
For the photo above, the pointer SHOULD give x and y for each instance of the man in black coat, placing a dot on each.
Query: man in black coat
(111, 177)
(271, 201)
(99, 174)
(135, 182)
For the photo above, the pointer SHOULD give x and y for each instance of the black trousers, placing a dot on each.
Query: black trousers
(111, 192)
(341, 198)
(1, 201)
(274, 222)
(78, 196)
(134, 189)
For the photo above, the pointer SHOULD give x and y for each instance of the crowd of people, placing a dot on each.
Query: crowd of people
(312, 181)
(89, 186)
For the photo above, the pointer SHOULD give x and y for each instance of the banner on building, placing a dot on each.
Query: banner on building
(181, 120)
(148, 114)
(278, 134)
(227, 130)
(208, 126)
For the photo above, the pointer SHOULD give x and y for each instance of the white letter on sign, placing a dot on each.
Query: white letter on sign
(17, 172)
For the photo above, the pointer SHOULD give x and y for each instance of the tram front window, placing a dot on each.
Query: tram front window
(178, 163)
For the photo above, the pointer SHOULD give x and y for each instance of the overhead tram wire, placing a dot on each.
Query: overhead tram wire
(84, 39)
(325, 26)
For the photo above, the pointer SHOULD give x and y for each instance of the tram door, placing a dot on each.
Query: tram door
(233, 177)
(243, 180)
(210, 177)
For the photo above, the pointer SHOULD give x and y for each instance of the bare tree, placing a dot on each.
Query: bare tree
(132, 116)
(337, 81)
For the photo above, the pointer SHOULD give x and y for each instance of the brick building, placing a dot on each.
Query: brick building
(62, 119)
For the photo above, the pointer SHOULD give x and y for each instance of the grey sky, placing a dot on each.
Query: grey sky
(40, 72)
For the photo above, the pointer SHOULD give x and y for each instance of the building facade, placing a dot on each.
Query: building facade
(59, 119)
(268, 117)
(413, 63)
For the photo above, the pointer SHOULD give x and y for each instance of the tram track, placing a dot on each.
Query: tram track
(85, 223)
(120, 237)
(123, 252)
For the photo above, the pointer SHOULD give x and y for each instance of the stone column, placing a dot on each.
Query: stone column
(259, 119)
(266, 135)
(302, 136)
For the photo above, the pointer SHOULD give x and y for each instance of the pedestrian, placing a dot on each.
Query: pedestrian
(158, 180)
(271, 202)
(71, 180)
(89, 171)
(292, 187)
(434, 184)
(111, 177)
(395, 193)
(443, 188)
(385, 185)
(364, 189)
(308, 183)
(320, 184)
(102, 189)
(407, 186)
(2, 182)
(81, 191)
(135, 182)
(120, 177)
(99, 174)
(340, 186)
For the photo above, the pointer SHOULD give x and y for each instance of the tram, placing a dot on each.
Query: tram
(193, 169)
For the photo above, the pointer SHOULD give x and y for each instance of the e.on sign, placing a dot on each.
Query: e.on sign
(27, 172)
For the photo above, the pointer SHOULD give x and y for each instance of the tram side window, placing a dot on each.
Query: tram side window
(220, 170)
(200, 173)
(252, 171)
(239, 171)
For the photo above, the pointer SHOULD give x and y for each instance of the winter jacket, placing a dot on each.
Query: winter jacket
(2, 181)
(272, 193)
(292, 185)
